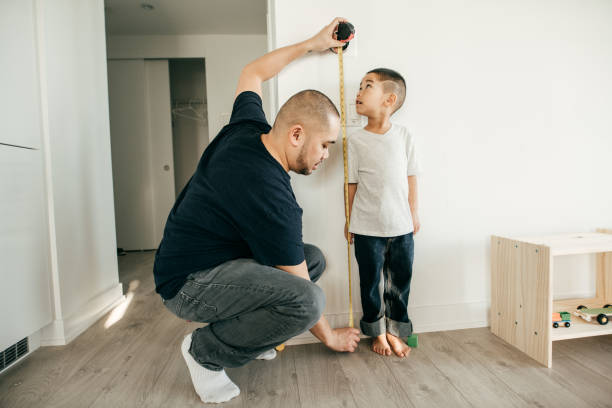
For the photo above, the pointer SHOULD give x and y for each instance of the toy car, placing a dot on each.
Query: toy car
(561, 318)
(602, 315)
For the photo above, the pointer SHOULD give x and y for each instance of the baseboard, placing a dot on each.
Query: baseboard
(431, 318)
(62, 331)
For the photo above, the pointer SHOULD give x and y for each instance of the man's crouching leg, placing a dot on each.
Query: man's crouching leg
(251, 308)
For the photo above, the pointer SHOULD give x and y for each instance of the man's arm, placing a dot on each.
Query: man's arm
(413, 201)
(344, 339)
(267, 66)
(352, 189)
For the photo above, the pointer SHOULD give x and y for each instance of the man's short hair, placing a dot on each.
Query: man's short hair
(308, 106)
(393, 82)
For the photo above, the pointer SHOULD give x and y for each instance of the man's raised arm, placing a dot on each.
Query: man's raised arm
(270, 64)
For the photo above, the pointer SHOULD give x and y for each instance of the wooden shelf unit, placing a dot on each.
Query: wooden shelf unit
(521, 289)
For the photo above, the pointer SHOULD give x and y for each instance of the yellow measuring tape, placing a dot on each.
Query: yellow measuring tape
(281, 347)
(346, 199)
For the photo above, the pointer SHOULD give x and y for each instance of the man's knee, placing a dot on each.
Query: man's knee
(315, 260)
(313, 304)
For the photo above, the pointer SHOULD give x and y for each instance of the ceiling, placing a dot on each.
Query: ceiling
(128, 17)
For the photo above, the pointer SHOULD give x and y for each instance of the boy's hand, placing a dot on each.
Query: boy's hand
(344, 339)
(346, 234)
(324, 40)
(416, 223)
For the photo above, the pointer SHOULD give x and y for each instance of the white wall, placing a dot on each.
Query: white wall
(225, 56)
(509, 103)
(76, 141)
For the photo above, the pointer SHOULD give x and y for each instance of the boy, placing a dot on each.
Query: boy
(383, 210)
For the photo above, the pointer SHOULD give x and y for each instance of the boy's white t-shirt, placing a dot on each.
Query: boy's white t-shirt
(380, 165)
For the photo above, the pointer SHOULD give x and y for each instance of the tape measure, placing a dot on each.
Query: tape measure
(346, 195)
(345, 32)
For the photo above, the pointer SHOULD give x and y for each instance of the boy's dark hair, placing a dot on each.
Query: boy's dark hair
(397, 85)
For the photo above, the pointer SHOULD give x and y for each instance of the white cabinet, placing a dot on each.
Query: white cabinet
(25, 304)
(19, 99)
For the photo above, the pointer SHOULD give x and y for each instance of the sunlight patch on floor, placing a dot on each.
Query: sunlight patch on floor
(119, 311)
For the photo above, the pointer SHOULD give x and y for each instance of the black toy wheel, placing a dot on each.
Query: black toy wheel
(607, 305)
(555, 325)
(602, 318)
(567, 324)
(581, 307)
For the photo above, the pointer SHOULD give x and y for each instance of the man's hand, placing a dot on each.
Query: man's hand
(347, 233)
(344, 339)
(324, 40)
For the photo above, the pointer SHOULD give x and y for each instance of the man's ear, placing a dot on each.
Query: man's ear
(296, 135)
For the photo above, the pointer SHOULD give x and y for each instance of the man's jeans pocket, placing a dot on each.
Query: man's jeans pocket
(191, 303)
(196, 310)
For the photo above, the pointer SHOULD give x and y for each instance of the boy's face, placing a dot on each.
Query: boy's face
(371, 99)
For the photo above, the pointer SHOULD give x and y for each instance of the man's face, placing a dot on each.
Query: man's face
(316, 147)
(370, 96)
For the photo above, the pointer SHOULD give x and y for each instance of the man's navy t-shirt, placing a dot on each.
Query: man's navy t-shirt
(238, 204)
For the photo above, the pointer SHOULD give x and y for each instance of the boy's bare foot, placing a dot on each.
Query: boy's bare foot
(381, 346)
(400, 348)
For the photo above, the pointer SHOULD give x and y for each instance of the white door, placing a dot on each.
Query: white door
(141, 142)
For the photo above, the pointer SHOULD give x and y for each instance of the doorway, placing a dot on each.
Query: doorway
(172, 72)
(189, 117)
(159, 129)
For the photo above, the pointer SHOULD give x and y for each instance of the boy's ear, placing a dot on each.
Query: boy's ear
(391, 100)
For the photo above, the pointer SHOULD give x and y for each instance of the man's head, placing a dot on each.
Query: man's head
(307, 124)
(381, 91)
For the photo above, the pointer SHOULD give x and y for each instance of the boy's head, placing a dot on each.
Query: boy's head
(307, 124)
(381, 90)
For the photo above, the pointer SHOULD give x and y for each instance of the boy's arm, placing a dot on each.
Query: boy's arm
(267, 66)
(352, 189)
(413, 201)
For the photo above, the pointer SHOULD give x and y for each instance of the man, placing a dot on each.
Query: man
(232, 253)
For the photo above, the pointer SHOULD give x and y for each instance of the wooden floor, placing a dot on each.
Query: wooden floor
(136, 363)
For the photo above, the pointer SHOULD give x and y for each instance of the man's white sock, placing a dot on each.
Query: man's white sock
(211, 386)
(267, 355)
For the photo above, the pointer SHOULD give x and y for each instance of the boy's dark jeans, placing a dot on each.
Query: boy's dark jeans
(393, 256)
(251, 308)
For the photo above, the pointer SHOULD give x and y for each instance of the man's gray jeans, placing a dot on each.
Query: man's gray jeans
(250, 308)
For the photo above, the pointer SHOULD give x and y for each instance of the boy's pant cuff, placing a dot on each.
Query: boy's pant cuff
(386, 325)
(399, 329)
(374, 329)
